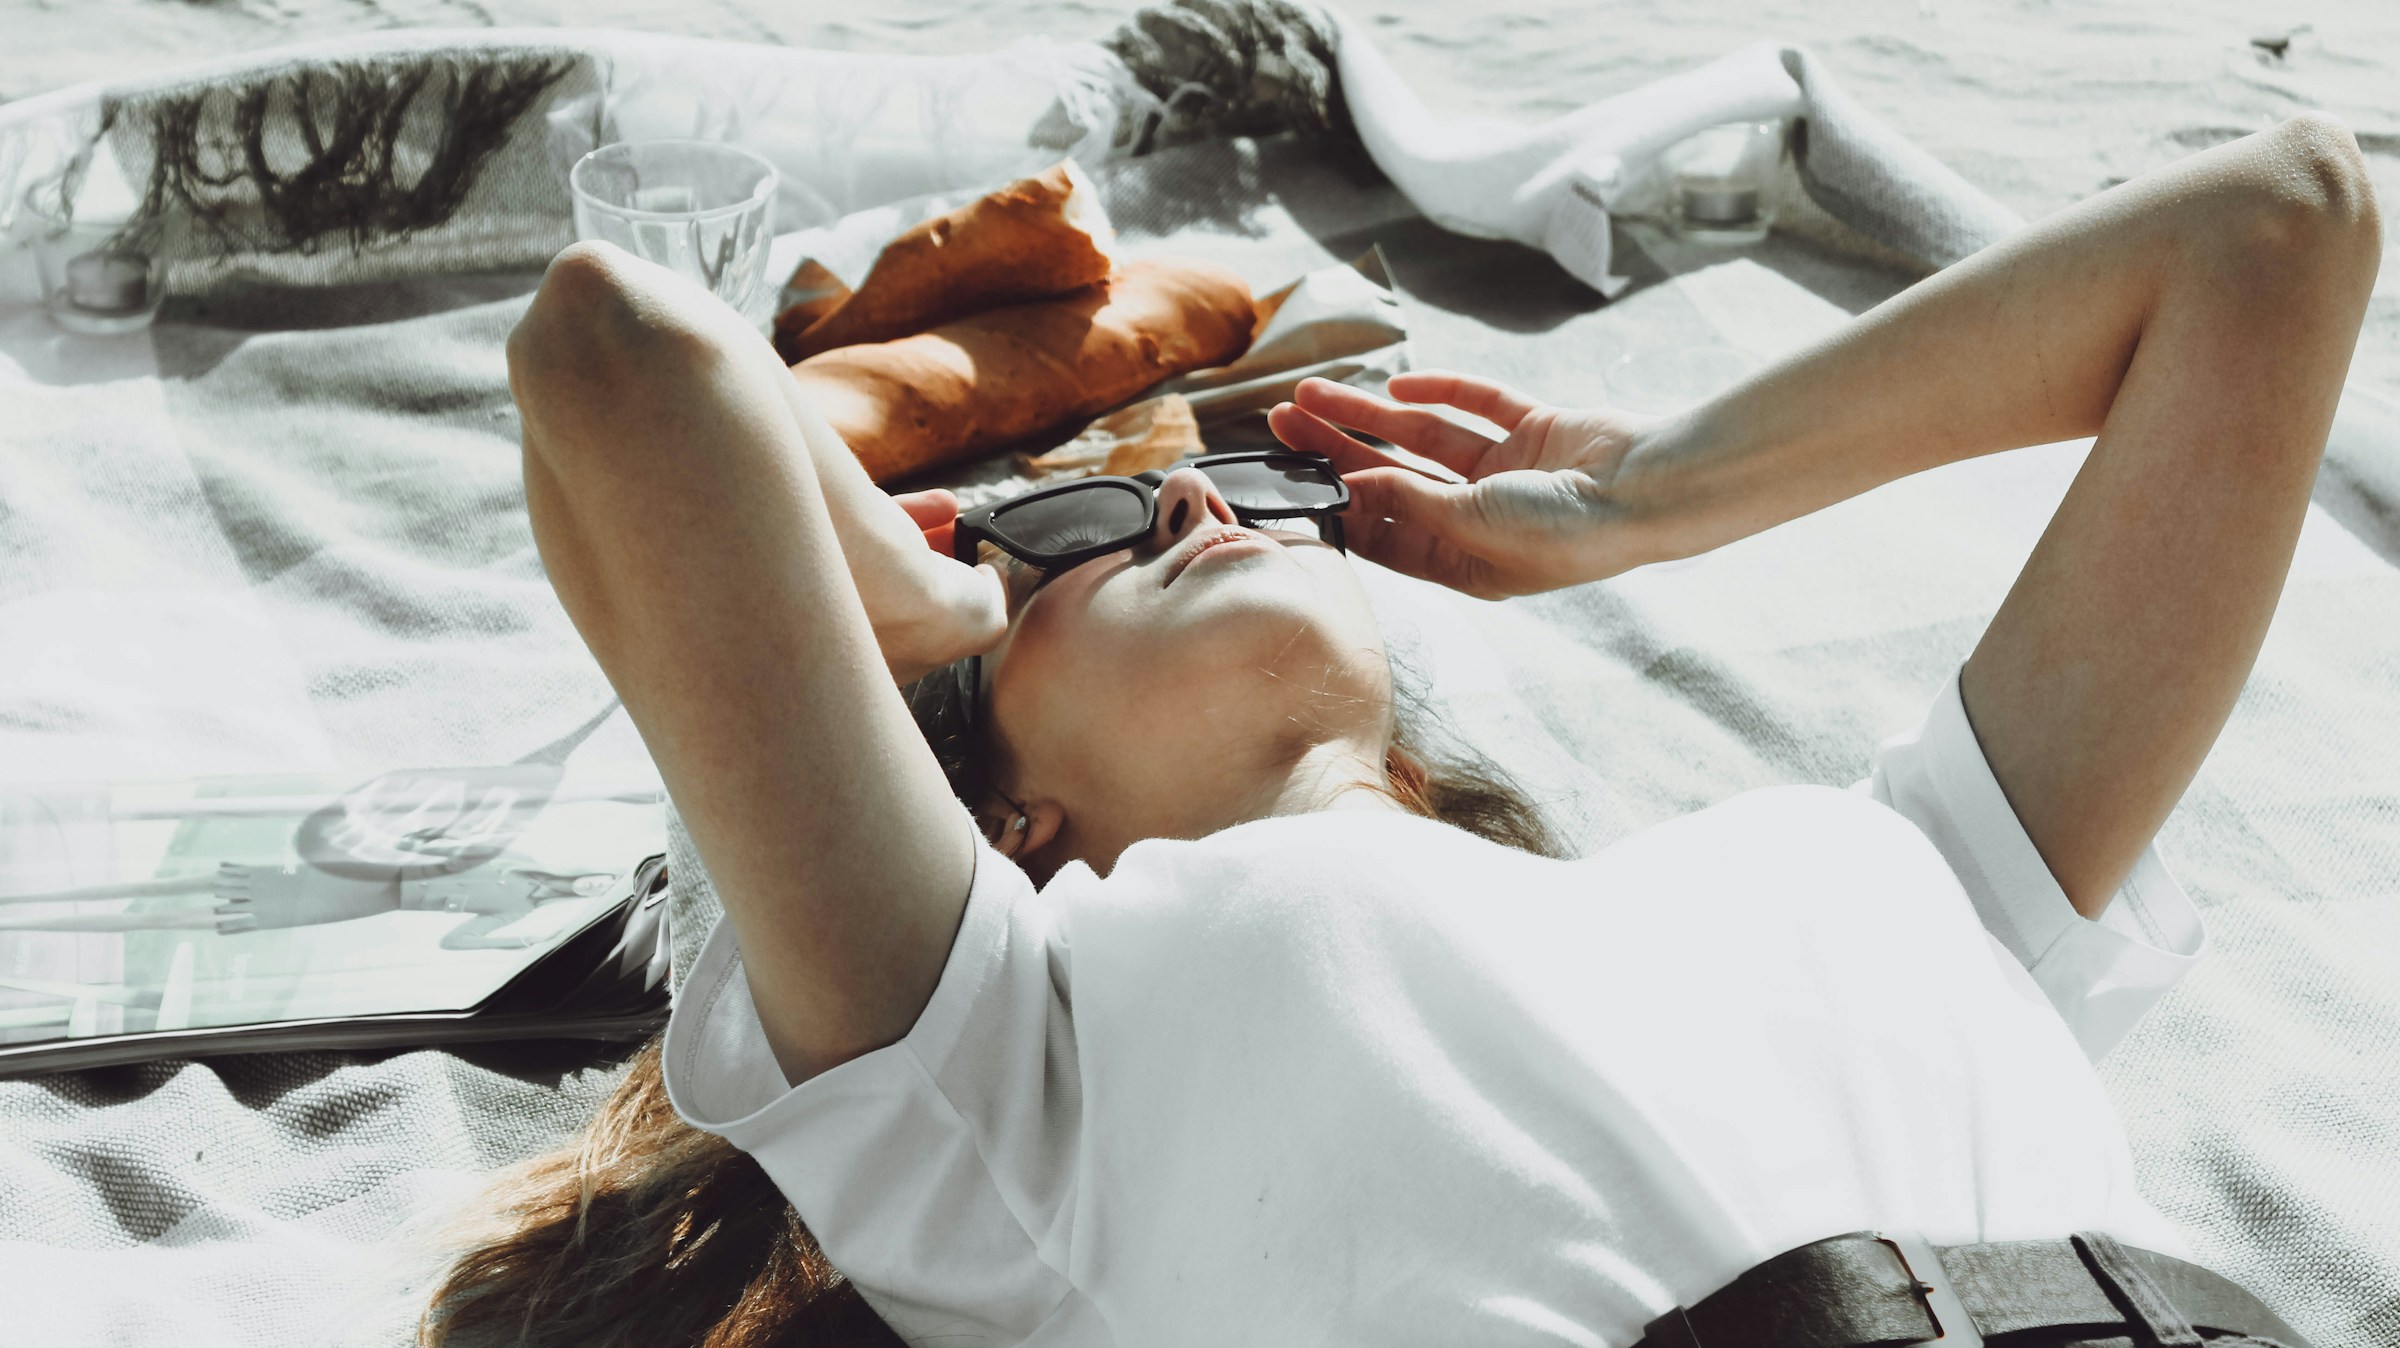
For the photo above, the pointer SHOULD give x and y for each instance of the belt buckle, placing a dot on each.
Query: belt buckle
(1952, 1326)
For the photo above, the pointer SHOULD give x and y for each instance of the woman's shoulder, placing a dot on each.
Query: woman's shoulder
(1289, 855)
(1800, 814)
(1311, 831)
(1773, 827)
(1851, 850)
(1807, 805)
(1799, 809)
(1793, 824)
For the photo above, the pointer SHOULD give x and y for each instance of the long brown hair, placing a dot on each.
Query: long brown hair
(647, 1233)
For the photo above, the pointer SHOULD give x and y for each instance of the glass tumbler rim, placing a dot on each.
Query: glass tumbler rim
(763, 191)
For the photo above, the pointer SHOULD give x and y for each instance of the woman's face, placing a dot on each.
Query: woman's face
(1177, 686)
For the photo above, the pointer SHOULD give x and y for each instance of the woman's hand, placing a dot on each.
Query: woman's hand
(926, 607)
(1536, 511)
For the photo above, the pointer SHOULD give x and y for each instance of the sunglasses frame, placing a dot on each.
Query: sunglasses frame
(975, 526)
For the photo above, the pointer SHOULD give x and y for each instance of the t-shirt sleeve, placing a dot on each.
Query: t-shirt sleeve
(2102, 975)
(927, 1207)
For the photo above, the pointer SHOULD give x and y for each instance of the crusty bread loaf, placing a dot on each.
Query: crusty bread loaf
(1002, 375)
(1043, 236)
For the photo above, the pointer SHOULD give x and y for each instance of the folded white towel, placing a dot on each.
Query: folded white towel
(1550, 186)
(1554, 186)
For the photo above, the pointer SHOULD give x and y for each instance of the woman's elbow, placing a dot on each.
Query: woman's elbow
(606, 327)
(2339, 188)
(2303, 210)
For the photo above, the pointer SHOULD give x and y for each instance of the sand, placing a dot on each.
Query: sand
(2040, 102)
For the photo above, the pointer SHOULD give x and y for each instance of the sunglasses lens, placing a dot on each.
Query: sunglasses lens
(1068, 521)
(1267, 486)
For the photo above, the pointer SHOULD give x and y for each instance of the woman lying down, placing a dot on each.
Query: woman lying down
(1216, 1015)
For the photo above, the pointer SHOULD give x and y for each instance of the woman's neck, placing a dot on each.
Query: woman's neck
(1337, 775)
(1332, 775)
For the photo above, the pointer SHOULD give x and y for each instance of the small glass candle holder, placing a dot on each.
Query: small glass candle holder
(102, 272)
(1719, 180)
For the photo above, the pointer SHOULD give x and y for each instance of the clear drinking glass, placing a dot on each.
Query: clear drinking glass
(698, 207)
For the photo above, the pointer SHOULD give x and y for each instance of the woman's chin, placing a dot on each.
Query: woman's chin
(1250, 585)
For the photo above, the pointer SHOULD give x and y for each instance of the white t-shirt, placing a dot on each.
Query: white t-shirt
(1358, 1077)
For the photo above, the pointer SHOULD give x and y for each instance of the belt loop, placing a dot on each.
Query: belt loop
(2135, 1295)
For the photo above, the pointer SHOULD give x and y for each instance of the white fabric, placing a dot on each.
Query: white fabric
(1553, 186)
(1549, 186)
(1360, 1077)
(276, 476)
(2100, 975)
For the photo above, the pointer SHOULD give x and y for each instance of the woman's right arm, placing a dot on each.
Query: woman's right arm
(677, 511)
(2197, 320)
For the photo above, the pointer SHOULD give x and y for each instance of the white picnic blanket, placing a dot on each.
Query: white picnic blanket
(284, 529)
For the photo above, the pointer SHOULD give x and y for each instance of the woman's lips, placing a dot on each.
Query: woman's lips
(1201, 542)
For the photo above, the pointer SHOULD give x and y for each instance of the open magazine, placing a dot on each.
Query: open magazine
(243, 914)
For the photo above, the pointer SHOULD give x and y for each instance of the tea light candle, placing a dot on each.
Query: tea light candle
(1719, 203)
(108, 283)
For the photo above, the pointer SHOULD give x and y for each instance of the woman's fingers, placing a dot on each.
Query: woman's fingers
(1496, 403)
(928, 508)
(1419, 527)
(1412, 428)
(973, 602)
(963, 611)
(945, 609)
(935, 513)
(983, 610)
(1309, 433)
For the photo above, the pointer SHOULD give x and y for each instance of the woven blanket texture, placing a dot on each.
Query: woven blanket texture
(286, 530)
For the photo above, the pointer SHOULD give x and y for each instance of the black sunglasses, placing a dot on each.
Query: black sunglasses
(1054, 528)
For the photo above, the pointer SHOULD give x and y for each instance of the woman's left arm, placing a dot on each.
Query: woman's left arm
(679, 511)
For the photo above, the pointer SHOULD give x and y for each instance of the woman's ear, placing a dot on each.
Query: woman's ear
(1020, 834)
(1044, 820)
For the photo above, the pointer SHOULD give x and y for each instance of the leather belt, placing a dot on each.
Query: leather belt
(1868, 1288)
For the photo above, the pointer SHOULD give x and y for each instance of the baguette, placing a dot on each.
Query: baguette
(1043, 236)
(999, 376)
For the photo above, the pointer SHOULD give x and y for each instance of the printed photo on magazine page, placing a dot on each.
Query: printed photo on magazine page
(132, 907)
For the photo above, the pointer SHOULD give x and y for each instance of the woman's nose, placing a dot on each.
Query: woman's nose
(1187, 500)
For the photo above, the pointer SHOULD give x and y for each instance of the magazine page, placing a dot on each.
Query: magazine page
(129, 907)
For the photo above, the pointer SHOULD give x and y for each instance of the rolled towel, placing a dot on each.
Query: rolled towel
(1043, 236)
(1004, 374)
